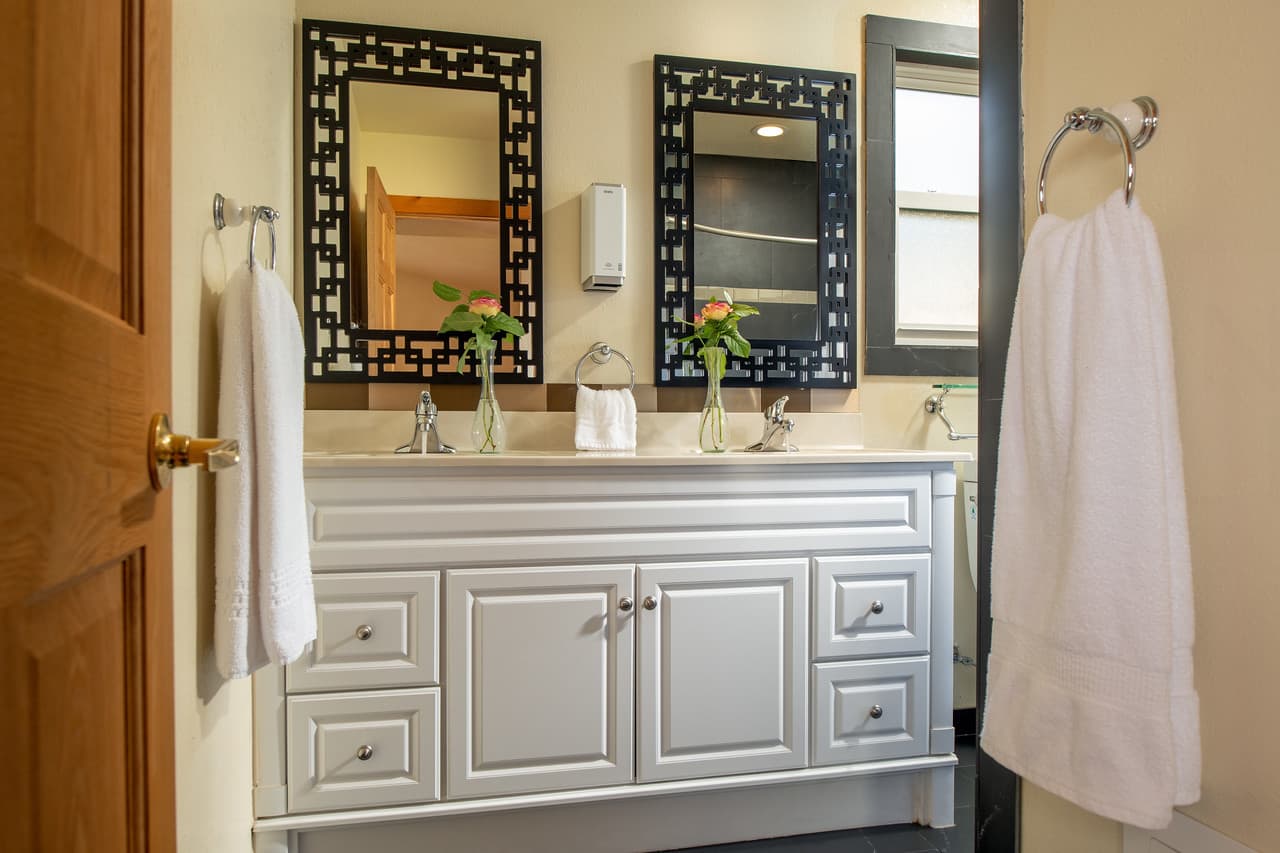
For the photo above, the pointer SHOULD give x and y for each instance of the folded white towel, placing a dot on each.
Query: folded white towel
(265, 605)
(1089, 688)
(606, 420)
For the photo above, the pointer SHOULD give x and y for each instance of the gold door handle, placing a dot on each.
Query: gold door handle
(170, 450)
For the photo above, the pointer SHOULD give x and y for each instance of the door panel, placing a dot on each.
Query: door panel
(723, 658)
(540, 679)
(85, 545)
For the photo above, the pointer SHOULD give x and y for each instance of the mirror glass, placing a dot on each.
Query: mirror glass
(755, 214)
(423, 199)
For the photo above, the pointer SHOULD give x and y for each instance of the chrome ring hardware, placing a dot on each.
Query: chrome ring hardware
(876, 712)
(650, 603)
(626, 603)
(365, 752)
(877, 606)
(601, 353)
(364, 632)
(1083, 118)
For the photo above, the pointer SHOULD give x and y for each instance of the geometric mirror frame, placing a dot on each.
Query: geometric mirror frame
(685, 85)
(334, 54)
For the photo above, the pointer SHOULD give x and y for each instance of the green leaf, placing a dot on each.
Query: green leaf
(500, 322)
(458, 309)
(461, 321)
(462, 359)
(481, 294)
(445, 292)
(738, 345)
(483, 340)
(745, 310)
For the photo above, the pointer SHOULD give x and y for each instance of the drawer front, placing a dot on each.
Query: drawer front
(373, 629)
(871, 605)
(348, 750)
(870, 710)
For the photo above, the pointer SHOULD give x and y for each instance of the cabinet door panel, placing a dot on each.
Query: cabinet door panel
(722, 668)
(540, 679)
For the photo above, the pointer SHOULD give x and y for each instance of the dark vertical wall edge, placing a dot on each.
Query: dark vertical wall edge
(1000, 253)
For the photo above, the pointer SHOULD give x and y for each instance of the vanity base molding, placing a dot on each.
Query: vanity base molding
(634, 818)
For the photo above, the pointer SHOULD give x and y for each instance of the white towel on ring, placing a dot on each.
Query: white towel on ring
(1089, 687)
(606, 419)
(264, 601)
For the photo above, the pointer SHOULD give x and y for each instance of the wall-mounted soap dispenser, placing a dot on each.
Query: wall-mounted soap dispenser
(604, 236)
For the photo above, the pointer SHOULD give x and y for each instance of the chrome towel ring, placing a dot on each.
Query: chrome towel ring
(601, 353)
(227, 212)
(1142, 113)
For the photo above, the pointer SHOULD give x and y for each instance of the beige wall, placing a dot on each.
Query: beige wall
(1208, 181)
(233, 133)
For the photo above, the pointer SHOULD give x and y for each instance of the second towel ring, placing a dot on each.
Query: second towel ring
(601, 353)
(1092, 121)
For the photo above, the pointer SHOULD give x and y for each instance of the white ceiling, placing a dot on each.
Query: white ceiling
(425, 111)
(730, 134)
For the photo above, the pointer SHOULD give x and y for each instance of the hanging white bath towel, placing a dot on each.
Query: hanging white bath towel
(1089, 688)
(265, 605)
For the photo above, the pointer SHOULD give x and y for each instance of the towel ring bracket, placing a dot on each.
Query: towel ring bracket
(602, 353)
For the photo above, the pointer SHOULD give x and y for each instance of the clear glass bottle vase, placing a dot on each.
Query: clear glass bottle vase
(713, 426)
(488, 427)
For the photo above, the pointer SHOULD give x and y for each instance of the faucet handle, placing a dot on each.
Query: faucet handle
(773, 414)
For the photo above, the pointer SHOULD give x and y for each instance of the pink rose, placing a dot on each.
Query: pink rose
(716, 310)
(485, 306)
(698, 322)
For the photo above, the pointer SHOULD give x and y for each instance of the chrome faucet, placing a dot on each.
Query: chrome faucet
(777, 430)
(426, 437)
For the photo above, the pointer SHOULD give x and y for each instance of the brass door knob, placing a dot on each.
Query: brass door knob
(170, 450)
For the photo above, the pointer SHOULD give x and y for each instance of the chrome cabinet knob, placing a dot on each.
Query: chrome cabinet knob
(626, 603)
(876, 712)
(364, 632)
(877, 606)
(365, 752)
(650, 603)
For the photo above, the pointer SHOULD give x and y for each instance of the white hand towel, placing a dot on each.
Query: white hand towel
(1089, 687)
(606, 420)
(265, 605)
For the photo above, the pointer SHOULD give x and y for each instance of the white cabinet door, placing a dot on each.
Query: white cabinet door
(723, 660)
(539, 684)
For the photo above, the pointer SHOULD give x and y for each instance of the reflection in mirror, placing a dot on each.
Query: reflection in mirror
(421, 160)
(424, 199)
(755, 214)
(774, 225)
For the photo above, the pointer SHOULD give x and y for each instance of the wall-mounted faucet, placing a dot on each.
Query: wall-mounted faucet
(937, 405)
(777, 430)
(426, 437)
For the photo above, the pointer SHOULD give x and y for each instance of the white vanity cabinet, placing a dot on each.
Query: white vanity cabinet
(551, 652)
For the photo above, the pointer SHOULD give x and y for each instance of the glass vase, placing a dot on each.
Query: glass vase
(713, 426)
(488, 428)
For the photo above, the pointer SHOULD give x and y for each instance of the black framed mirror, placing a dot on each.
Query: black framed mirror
(425, 147)
(754, 194)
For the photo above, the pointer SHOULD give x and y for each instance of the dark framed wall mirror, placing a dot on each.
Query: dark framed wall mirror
(754, 194)
(421, 160)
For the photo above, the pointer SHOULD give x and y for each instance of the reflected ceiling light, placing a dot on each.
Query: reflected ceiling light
(768, 130)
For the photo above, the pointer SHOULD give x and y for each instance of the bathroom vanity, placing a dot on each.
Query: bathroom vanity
(554, 651)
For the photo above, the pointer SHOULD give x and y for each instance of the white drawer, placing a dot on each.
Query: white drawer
(871, 605)
(373, 629)
(375, 748)
(870, 710)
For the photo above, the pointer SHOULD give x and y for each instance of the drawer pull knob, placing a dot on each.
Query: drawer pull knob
(626, 603)
(364, 632)
(365, 752)
(877, 606)
(876, 712)
(650, 603)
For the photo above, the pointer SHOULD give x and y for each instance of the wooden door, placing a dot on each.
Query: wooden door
(539, 679)
(723, 659)
(86, 671)
(380, 243)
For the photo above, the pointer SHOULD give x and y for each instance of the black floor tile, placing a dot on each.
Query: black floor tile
(905, 838)
(966, 782)
(845, 841)
(967, 753)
